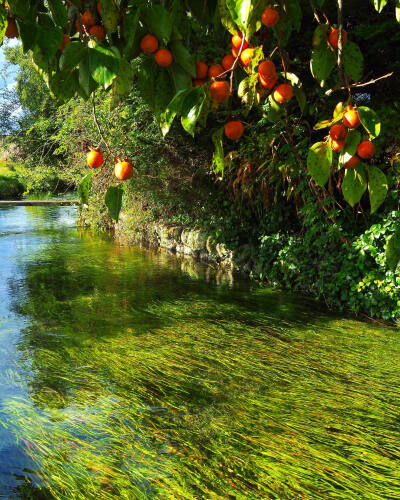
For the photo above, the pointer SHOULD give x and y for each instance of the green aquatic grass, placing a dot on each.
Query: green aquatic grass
(146, 382)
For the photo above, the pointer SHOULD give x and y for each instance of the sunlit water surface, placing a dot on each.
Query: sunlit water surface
(130, 374)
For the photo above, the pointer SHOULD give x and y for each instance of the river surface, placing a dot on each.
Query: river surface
(127, 374)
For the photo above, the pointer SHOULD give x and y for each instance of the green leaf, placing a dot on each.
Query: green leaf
(49, 39)
(158, 22)
(275, 110)
(132, 33)
(104, 64)
(393, 250)
(109, 15)
(218, 157)
(180, 77)
(191, 109)
(379, 4)
(377, 186)
(84, 189)
(58, 11)
(327, 123)
(226, 17)
(64, 84)
(320, 35)
(113, 201)
(3, 24)
(369, 120)
(86, 82)
(72, 55)
(354, 184)
(174, 108)
(183, 57)
(353, 61)
(27, 33)
(246, 14)
(294, 12)
(322, 62)
(122, 85)
(353, 139)
(319, 161)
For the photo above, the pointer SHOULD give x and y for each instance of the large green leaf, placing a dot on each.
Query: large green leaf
(183, 57)
(174, 108)
(86, 82)
(393, 250)
(377, 186)
(370, 121)
(320, 35)
(158, 22)
(226, 17)
(353, 139)
(354, 184)
(191, 108)
(132, 33)
(58, 11)
(218, 157)
(110, 15)
(319, 161)
(64, 84)
(353, 61)
(122, 85)
(322, 62)
(72, 55)
(84, 189)
(27, 33)
(294, 12)
(246, 14)
(113, 200)
(49, 39)
(379, 4)
(104, 64)
(3, 24)
(180, 77)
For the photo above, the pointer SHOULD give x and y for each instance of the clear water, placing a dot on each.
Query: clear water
(130, 374)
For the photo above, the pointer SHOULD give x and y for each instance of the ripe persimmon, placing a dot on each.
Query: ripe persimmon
(351, 118)
(283, 93)
(270, 17)
(220, 91)
(237, 41)
(12, 30)
(123, 170)
(215, 70)
(338, 132)
(164, 58)
(228, 61)
(366, 150)
(94, 158)
(246, 57)
(336, 145)
(267, 81)
(198, 82)
(87, 19)
(234, 130)
(267, 68)
(149, 44)
(98, 6)
(235, 52)
(334, 37)
(65, 41)
(201, 70)
(353, 162)
(98, 31)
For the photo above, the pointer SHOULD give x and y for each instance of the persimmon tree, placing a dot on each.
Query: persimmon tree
(79, 46)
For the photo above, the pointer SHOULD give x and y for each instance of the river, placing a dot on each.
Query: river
(128, 374)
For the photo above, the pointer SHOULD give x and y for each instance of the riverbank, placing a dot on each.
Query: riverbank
(350, 276)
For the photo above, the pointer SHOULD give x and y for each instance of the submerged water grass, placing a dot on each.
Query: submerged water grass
(145, 383)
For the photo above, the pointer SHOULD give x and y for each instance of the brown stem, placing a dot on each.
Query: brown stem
(357, 85)
(98, 125)
(317, 18)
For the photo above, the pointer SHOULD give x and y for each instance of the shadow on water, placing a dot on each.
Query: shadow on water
(131, 374)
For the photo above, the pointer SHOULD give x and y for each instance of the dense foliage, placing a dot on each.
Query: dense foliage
(279, 192)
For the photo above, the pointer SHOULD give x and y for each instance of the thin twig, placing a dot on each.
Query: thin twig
(357, 85)
(98, 125)
(317, 18)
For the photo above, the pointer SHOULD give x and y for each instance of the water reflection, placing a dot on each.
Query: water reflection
(131, 374)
